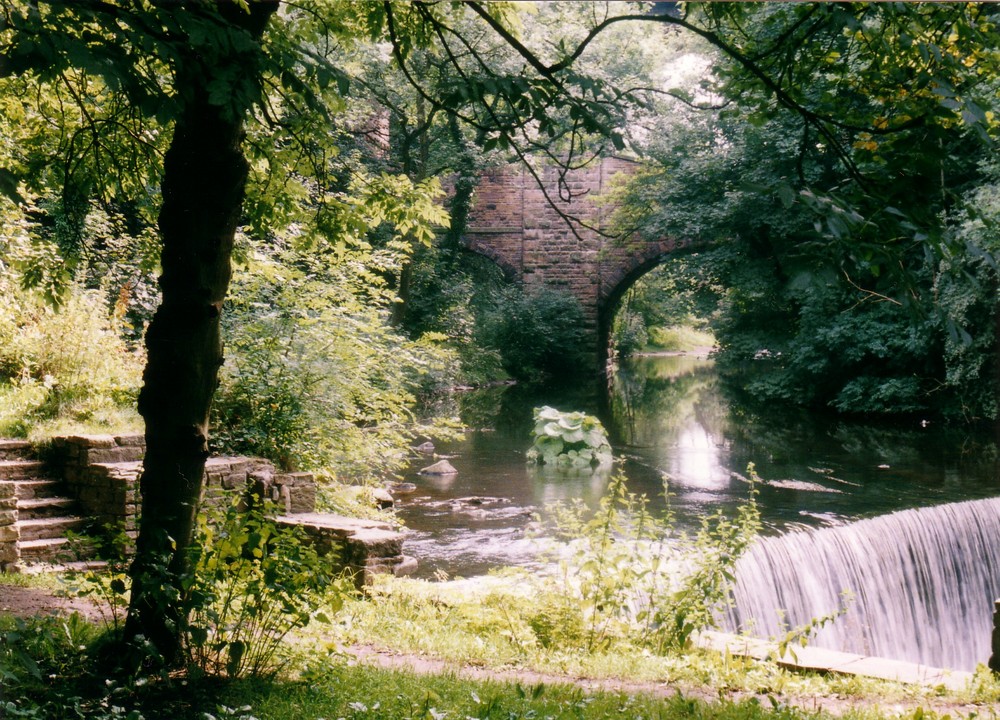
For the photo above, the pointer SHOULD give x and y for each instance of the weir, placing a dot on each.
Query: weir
(923, 584)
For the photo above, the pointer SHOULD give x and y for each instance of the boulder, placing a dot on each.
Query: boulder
(442, 467)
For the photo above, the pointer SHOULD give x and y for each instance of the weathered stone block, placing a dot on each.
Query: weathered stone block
(133, 440)
(9, 554)
(9, 533)
(91, 441)
(233, 481)
(93, 456)
(300, 498)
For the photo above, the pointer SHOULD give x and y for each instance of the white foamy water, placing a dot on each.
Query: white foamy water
(923, 581)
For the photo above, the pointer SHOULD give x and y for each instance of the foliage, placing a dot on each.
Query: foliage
(315, 376)
(627, 573)
(679, 338)
(106, 587)
(539, 334)
(451, 296)
(252, 582)
(826, 260)
(38, 657)
(628, 333)
(569, 439)
(679, 296)
(62, 366)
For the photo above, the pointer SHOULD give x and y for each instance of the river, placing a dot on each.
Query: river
(671, 424)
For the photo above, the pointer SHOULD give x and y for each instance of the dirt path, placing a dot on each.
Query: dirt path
(28, 602)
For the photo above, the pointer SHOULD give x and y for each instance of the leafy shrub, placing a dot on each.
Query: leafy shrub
(573, 439)
(63, 366)
(316, 379)
(625, 573)
(629, 334)
(33, 653)
(253, 581)
(679, 338)
(539, 335)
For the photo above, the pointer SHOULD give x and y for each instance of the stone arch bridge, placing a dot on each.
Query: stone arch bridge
(512, 223)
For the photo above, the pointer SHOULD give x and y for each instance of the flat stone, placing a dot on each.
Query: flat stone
(337, 522)
(823, 660)
(131, 440)
(93, 441)
(904, 672)
(407, 567)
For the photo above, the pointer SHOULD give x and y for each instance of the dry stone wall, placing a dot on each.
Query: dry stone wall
(9, 534)
(14, 456)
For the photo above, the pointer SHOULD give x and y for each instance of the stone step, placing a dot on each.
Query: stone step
(45, 507)
(32, 489)
(56, 565)
(21, 469)
(49, 528)
(16, 450)
(47, 550)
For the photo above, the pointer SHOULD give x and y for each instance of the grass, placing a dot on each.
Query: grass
(42, 581)
(488, 627)
(678, 338)
(482, 628)
(340, 690)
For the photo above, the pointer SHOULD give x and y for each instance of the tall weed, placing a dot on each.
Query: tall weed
(626, 574)
(253, 582)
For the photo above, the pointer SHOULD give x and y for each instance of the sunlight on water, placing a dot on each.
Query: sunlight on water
(697, 462)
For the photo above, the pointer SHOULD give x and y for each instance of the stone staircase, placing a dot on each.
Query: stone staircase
(96, 496)
(39, 516)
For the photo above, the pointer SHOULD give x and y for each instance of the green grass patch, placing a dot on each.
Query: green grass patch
(362, 693)
(42, 581)
(49, 671)
(490, 625)
(678, 338)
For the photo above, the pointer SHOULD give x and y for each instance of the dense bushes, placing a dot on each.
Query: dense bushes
(316, 379)
(539, 334)
(62, 367)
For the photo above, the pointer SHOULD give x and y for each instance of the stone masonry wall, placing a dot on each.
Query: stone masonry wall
(8, 525)
(102, 473)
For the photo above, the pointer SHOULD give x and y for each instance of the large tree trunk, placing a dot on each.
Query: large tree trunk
(204, 178)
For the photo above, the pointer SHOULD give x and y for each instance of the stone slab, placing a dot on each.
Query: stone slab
(91, 441)
(818, 659)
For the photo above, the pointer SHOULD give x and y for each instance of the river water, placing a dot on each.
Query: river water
(671, 423)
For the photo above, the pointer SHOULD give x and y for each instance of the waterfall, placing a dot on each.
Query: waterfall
(923, 582)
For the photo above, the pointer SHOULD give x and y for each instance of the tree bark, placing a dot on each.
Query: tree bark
(204, 178)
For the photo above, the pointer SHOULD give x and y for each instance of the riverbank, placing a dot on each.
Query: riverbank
(377, 680)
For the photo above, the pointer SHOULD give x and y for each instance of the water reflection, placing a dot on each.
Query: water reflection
(671, 422)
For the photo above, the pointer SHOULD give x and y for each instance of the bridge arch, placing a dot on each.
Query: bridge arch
(622, 273)
(512, 223)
